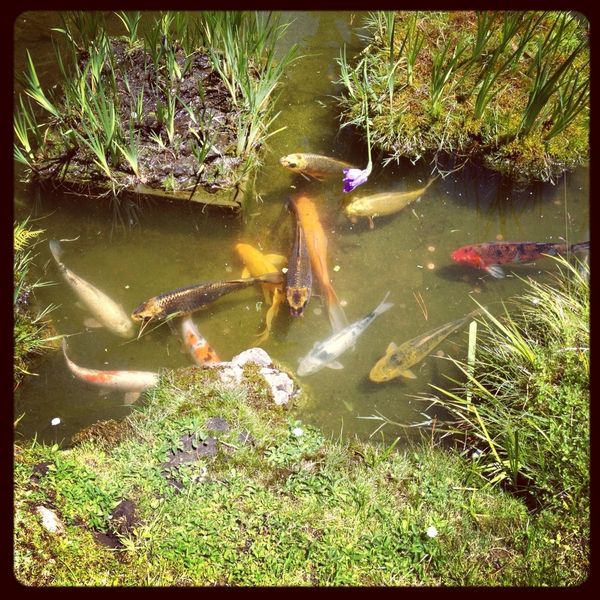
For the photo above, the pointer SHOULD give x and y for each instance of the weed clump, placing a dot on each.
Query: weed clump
(507, 88)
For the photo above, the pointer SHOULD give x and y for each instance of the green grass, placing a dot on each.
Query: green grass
(525, 406)
(290, 508)
(507, 88)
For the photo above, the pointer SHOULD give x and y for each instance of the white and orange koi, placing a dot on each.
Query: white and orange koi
(195, 343)
(131, 382)
(316, 241)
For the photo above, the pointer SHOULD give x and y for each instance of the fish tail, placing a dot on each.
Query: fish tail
(337, 316)
(383, 305)
(56, 250)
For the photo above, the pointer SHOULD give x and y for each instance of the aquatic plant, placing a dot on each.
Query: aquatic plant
(524, 404)
(512, 87)
(355, 177)
(128, 110)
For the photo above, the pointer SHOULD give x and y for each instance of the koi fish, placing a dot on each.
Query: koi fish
(188, 299)
(316, 242)
(106, 311)
(196, 344)
(299, 275)
(132, 382)
(490, 255)
(256, 263)
(313, 165)
(325, 353)
(398, 359)
(385, 203)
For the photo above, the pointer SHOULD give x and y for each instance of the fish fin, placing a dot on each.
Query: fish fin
(495, 271)
(131, 397)
(335, 365)
(408, 374)
(245, 273)
(371, 222)
(278, 260)
(267, 295)
(337, 316)
(91, 323)
(56, 250)
(392, 347)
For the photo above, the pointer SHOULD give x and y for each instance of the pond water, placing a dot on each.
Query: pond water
(135, 250)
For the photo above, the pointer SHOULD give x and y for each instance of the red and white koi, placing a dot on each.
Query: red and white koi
(131, 382)
(195, 343)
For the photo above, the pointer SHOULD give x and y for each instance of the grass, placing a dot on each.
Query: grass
(507, 88)
(525, 406)
(123, 101)
(274, 503)
(32, 333)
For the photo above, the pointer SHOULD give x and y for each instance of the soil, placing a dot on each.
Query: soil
(174, 167)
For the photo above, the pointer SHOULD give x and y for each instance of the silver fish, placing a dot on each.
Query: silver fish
(105, 310)
(325, 353)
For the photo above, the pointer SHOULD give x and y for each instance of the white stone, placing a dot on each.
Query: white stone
(55, 421)
(255, 355)
(280, 384)
(50, 521)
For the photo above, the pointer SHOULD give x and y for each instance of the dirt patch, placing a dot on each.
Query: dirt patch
(167, 143)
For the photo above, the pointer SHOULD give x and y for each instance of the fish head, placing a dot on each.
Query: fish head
(309, 364)
(387, 367)
(297, 299)
(356, 208)
(468, 255)
(124, 327)
(293, 162)
(146, 311)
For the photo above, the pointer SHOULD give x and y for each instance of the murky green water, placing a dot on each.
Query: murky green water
(134, 251)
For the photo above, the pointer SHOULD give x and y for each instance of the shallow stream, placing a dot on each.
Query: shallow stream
(135, 250)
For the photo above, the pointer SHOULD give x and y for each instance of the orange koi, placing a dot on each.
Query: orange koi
(132, 382)
(200, 350)
(316, 241)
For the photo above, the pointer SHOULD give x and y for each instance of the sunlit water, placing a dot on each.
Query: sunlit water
(135, 250)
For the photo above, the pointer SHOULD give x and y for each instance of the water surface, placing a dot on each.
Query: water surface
(135, 250)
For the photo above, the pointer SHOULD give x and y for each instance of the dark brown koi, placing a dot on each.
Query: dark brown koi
(188, 299)
(299, 275)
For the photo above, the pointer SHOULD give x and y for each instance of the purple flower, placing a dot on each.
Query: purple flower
(355, 177)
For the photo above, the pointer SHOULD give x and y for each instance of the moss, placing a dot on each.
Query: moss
(409, 126)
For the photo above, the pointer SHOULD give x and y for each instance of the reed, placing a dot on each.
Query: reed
(106, 118)
(524, 408)
(131, 22)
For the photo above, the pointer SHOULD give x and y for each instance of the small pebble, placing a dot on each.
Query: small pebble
(430, 266)
(337, 268)
(499, 237)
(343, 303)
(431, 248)
(284, 270)
(317, 311)
(55, 421)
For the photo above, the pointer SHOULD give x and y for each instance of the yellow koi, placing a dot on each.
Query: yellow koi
(314, 165)
(256, 264)
(385, 203)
